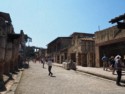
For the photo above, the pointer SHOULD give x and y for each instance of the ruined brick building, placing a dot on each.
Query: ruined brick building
(110, 41)
(78, 47)
(57, 49)
(12, 49)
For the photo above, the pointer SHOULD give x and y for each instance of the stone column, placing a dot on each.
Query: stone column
(77, 61)
(8, 56)
(2, 54)
(88, 60)
(13, 58)
(97, 57)
(15, 51)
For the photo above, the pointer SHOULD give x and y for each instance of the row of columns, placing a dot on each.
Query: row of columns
(11, 58)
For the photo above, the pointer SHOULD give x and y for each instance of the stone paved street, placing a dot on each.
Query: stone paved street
(35, 80)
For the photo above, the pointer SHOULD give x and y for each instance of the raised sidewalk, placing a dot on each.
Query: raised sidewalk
(97, 72)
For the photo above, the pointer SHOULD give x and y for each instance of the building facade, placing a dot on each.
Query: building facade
(57, 49)
(82, 48)
(78, 47)
(10, 45)
(111, 42)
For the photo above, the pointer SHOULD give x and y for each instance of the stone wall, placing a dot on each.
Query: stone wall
(108, 34)
(107, 37)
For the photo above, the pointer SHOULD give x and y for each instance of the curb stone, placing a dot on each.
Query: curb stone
(95, 74)
(15, 84)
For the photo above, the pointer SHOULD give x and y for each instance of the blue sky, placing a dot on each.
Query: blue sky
(45, 20)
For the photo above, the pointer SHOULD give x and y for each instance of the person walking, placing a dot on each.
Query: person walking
(112, 64)
(118, 67)
(49, 62)
(43, 61)
(105, 63)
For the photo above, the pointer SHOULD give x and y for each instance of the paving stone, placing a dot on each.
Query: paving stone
(35, 80)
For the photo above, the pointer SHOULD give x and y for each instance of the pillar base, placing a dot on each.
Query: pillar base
(10, 76)
(2, 86)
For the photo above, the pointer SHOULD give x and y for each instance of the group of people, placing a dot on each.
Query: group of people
(114, 64)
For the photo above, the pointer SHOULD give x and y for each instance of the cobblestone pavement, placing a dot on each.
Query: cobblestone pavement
(35, 80)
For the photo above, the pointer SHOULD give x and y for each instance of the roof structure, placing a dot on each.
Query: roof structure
(79, 33)
(6, 16)
(117, 19)
(58, 38)
(89, 39)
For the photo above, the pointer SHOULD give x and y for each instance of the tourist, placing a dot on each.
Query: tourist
(43, 61)
(105, 63)
(112, 64)
(118, 67)
(49, 62)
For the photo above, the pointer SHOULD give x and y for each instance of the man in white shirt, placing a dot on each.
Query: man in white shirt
(49, 62)
(118, 67)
